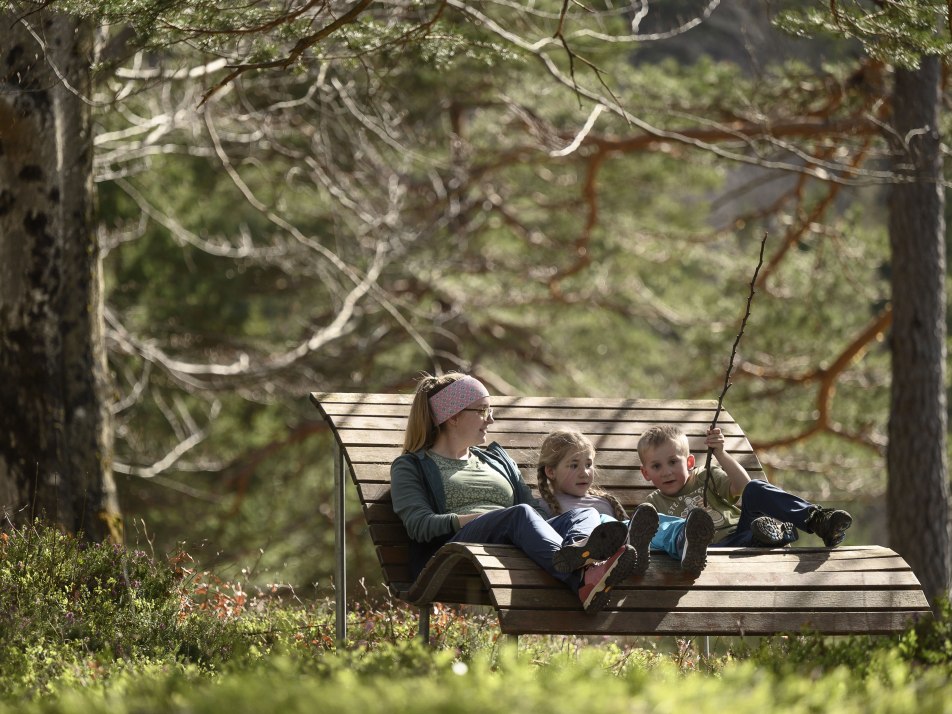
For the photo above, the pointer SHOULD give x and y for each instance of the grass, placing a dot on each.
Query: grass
(94, 628)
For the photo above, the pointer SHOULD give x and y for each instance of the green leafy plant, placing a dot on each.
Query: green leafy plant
(67, 605)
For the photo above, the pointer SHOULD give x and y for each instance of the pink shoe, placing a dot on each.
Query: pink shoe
(599, 579)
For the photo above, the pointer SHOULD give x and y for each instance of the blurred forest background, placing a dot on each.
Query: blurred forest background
(462, 197)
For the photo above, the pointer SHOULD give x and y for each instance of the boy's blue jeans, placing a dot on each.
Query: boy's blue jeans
(538, 538)
(764, 499)
(760, 498)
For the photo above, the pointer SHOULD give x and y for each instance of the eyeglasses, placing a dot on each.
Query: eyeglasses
(485, 413)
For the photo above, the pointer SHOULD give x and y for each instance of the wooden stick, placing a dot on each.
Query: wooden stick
(730, 365)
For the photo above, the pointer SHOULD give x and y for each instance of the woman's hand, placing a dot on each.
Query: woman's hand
(464, 519)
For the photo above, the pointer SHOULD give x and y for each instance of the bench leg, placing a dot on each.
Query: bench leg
(425, 623)
(505, 639)
(340, 547)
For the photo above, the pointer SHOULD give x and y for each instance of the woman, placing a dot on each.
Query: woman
(446, 489)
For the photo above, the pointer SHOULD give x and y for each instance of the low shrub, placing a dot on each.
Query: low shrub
(94, 628)
(927, 642)
(68, 606)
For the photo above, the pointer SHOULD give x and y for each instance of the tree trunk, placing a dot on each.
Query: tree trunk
(55, 429)
(918, 489)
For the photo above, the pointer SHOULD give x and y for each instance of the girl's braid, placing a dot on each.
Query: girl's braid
(545, 490)
(617, 508)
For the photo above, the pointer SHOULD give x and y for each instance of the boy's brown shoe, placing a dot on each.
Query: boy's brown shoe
(830, 524)
(771, 532)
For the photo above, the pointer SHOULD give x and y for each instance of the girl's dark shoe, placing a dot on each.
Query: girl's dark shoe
(602, 543)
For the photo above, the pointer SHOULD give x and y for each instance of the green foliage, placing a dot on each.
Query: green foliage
(99, 629)
(900, 32)
(930, 642)
(926, 644)
(408, 679)
(69, 608)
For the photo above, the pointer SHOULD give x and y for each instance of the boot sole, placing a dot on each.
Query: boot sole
(768, 532)
(698, 534)
(603, 542)
(841, 522)
(641, 529)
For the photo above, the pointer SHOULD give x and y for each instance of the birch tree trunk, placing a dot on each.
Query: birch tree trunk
(918, 489)
(55, 429)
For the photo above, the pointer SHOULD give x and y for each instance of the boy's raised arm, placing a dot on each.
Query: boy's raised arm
(737, 474)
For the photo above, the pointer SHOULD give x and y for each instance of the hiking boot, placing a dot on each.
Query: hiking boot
(698, 534)
(598, 579)
(771, 532)
(830, 524)
(601, 543)
(641, 529)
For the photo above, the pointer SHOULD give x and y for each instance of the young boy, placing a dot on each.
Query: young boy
(767, 516)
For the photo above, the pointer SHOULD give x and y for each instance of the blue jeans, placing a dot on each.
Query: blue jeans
(538, 538)
(665, 539)
(764, 499)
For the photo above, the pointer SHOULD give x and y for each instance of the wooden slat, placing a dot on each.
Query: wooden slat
(342, 402)
(573, 622)
(370, 476)
(523, 456)
(536, 590)
(388, 533)
(393, 555)
(557, 598)
(736, 578)
(517, 436)
(373, 492)
(380, 513)
(390, 428)
(663, 566)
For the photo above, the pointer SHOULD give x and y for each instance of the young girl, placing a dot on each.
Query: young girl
(566, 478)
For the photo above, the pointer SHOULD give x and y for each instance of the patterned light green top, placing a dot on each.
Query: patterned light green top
(472, 486)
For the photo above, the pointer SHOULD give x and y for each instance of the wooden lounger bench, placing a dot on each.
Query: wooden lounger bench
(742, 591)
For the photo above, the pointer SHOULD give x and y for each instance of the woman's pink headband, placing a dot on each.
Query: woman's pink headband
(455, 397)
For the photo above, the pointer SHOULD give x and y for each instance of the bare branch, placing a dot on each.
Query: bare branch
(187, 442)
(730, 364)
(701, 140)
(827, 378)
(244, 366)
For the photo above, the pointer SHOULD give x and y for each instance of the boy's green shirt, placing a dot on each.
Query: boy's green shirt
(720, 504)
